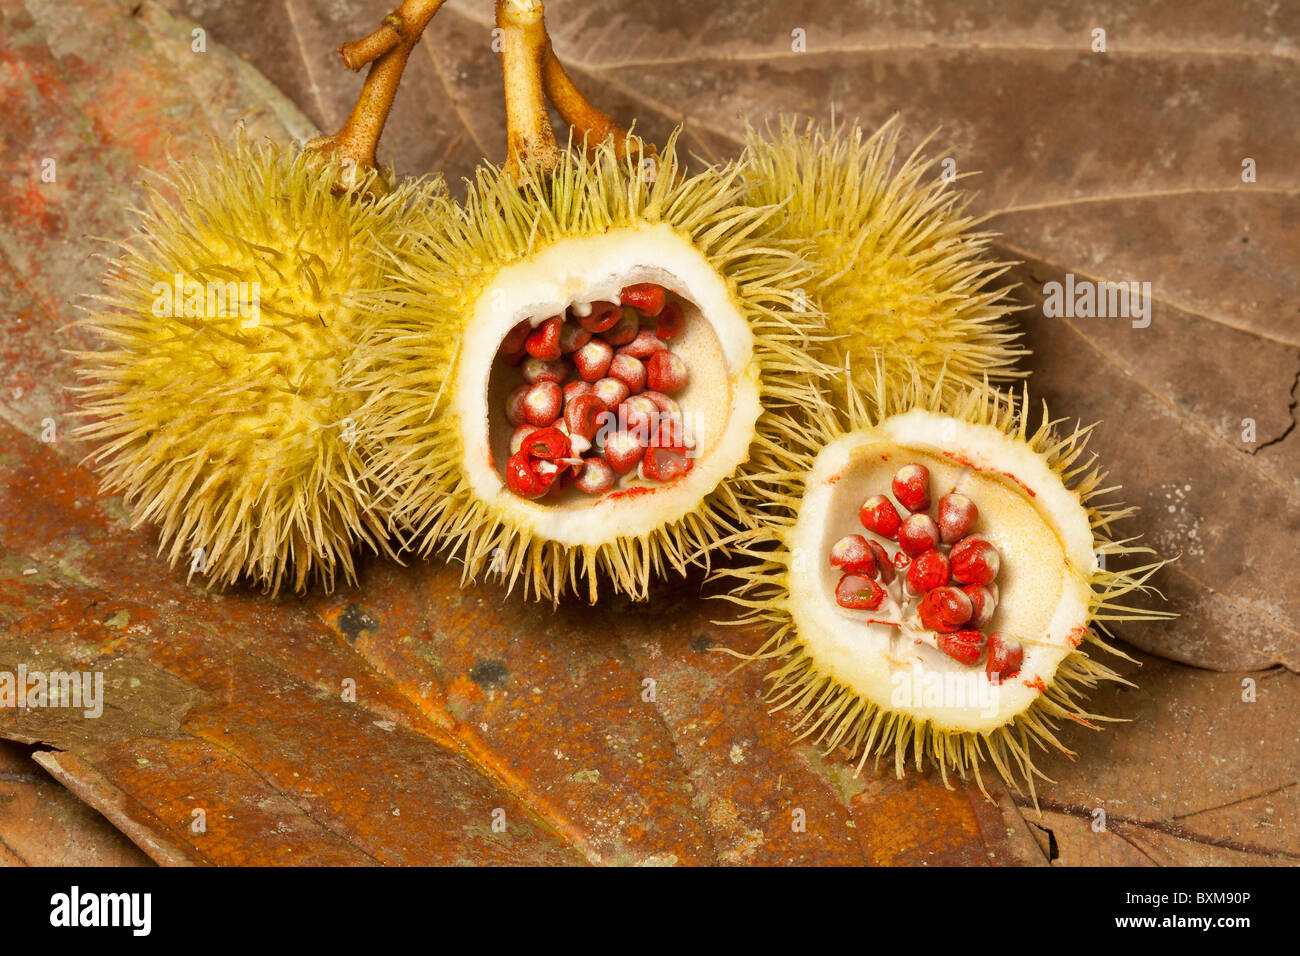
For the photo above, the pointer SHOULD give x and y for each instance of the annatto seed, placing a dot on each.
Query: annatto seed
(879, 515)
(944, 609)
(596, 477)
(974, 560)
(583, 416)
(928, 571)
(858, 593)
(592, 360)
(638, 415)
(573, 337)
(852, 554)
(624, 330)
(957, 515)
(522, 478)
(610, 391)
(963, 646)
(547, 444)
(601, 318)
(885, 566)
(536, 370)
(512, 346)
(544, 341)
(911, 487)
(665, 464)
(623, 451)
(665, 404)
(666, 372)
(575, 389)
(515, 404)
(918, 534)
(1006, 655)
(518, 435)
(644, 345)
(671, 322)
(983, 601)
(646, 297)
(628, 370)
(542, 404)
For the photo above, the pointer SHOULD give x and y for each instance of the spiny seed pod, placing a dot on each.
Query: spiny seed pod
(908, 673)
(584, 243)
(902, 272)
(214, 398)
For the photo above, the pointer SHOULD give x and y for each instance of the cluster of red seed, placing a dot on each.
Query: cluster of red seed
(597, 379)
(950, 570)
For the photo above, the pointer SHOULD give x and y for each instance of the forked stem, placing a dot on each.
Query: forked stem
(387, 50)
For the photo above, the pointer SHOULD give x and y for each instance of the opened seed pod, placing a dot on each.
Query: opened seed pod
(574, 373)
(938, 582)
(901, 270)
(215, 401)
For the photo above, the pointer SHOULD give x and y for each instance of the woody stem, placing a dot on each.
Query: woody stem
(530, 139)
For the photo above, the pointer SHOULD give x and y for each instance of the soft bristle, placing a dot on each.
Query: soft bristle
(836, 717)
(222, 424)
(902, 267)
(408, 355)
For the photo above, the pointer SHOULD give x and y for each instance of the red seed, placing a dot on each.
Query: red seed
(573, 337)
(592, 360)
(576, 389)
(1006, 654)
(623, 452)
(957, 515)
(879, 515)
(646, 297)
(544, 341)
(665, 404)
(663, 463)
(883, 563)
(602, 317)
(561, 481)
(624, 330)
(582, 416)
(666, 372)
(515, 404)
(628, 370)
(522, 479)
(983, 601)
(515, 338)
(667, 431)
(974, 560)
(518, 435)
(547, 444)
(596, 477)
(963, 646)
(918, 534)
(639, 415)
(543, 403)
(928, 571)
(610, 391)
(858, 593)
(912, 487)
(643, 346)
(944, 609)
(853, 554)
(671, 322)
(536, 370)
